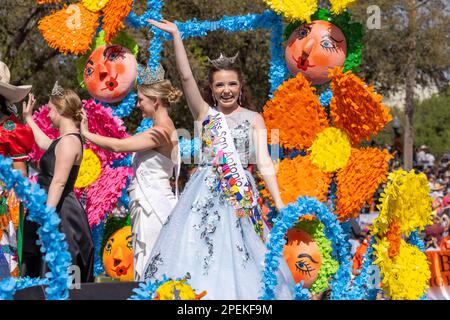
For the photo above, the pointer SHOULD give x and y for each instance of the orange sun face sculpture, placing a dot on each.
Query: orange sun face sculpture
(118, 255)
(303, 257)
(314, 48)
(110, 72)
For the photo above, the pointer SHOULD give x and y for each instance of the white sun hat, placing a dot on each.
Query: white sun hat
(11, 93)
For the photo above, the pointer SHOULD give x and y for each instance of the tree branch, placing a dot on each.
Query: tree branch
(38, 65)
(422, 4)
(23, 32)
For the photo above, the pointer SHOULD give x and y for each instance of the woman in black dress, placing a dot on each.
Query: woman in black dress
(59, 170)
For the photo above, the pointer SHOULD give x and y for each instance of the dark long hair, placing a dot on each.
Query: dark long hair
(4, 106)
(246, 99)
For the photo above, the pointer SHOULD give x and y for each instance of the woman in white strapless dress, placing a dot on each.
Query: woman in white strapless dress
(151, 201)
(156, 158)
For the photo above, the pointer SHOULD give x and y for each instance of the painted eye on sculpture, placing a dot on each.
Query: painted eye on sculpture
(89, 71)
(304, 264)
(113, 53)
(130, 245)
(304, 267)
(303, 32)
(328, 45)
(108, 248)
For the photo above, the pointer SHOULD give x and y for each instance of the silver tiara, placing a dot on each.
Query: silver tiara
(57, 90)
(148, 77)
(223, 61)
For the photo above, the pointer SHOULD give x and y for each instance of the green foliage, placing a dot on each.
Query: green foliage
(387, 50)
(431, 123)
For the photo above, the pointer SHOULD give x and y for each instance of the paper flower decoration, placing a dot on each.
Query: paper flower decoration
(71, 29)
(356, 114)
(177, 290)
(404, 276)
(300, 174)
(90, 170)
(294, 10)
(406, 202)
(405, 207)
(98, 181)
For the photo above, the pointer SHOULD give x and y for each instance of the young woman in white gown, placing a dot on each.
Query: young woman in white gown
(154, 161)
(215, 235)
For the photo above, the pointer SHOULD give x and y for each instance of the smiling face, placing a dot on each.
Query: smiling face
(110, 72)
(226, 88)
(303, 257)
(314, 48)
(147, 105)
(118, 255)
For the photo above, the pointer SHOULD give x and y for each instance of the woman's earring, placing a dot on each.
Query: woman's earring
(240, 99)
(215, 101)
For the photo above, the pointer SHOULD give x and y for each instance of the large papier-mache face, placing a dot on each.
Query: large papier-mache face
(303, 257)
(110, 72)
(314, 48)
(118, 255)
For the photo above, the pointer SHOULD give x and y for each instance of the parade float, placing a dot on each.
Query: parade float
(323, 113)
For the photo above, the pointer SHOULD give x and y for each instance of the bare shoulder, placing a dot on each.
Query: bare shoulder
(69, 147)
(258, 120)
(162, 133)
(165, 129)
(69, 142)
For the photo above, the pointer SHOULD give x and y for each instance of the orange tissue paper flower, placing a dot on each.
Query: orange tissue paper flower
(300, 177)
(296, 112)
(70, 30)
(355, 107)
(394, 237)
(113, 15)
(357, 182)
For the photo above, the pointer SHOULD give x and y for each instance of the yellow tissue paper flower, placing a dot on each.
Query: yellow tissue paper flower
(294, 9)
(406, 201)
(94, 5)
(331, 150)
(405, 276)
(177, 290)
(90, 169)
(339, 6)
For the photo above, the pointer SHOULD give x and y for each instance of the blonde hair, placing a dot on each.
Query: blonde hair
(70, 106)
(163, 90)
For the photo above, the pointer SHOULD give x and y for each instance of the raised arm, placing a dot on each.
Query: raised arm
(42, 140)
(195, 101)
(264, 162)
(149, 139)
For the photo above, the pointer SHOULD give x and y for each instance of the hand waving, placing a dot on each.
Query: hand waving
(27, 107)
(165, 25)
